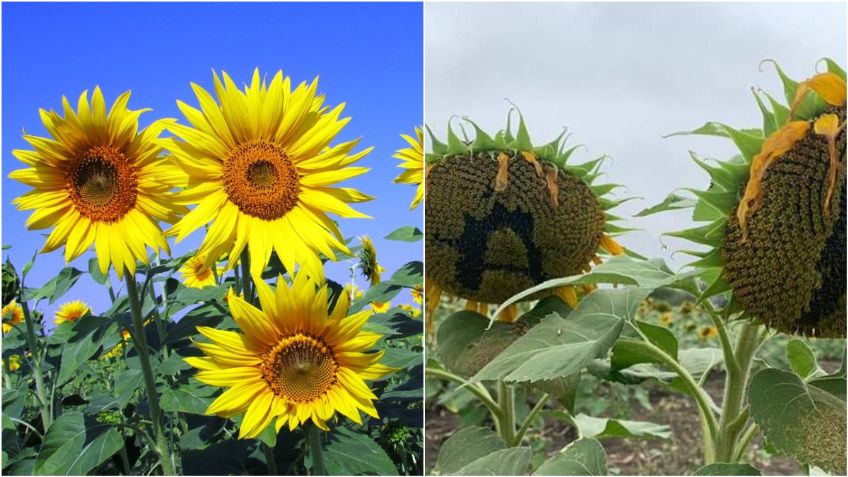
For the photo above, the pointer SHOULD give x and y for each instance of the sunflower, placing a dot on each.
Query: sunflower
(666, 318)
(292, 361)
(99, 181)
(380, 306)
(118, 349)
(417, 294)
(368, 265)
(13, 314)
(707, 333)
(14, 363)
(503, 216)
(260, 167)
(411, 310)
(413, 164)
(71, 311)
(196, 274)
(773, 218)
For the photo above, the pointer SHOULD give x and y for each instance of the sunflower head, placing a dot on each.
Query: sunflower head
(261, 169)
(412, 163)
(196, 274)
(504, 215)
(14, 362)
(773, 217)
(707, 333)
(292, 361)
(368, 265)
(71, 311)
(380, 306)
(98, 180)
(13, 314)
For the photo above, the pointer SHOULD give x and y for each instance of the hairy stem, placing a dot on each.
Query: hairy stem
(528, 421)
(161, 447)
(476, 389)
(506, 402)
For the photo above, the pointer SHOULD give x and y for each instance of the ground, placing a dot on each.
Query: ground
(679, 456)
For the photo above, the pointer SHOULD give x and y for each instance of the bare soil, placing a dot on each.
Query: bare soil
(679, 456)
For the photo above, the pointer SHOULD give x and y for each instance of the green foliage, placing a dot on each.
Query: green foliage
(721, 468)
(581, 457)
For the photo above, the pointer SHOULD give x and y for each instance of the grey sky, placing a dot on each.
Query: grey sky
(620, 76)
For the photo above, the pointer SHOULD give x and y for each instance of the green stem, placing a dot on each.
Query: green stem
(736, 382)
(32, 342)
(161, 447)
(245, 277)
(270, 462)
(313, 435)
(744, 442)
(474, 388)
(528, 421)
(506, 401)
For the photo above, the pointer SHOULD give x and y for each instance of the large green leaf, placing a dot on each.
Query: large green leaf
(189, 398)
(721, 468)
(408, 275)
(798, 420)
(512, 461)
(630, 351)
(88, 334)
(465, 446)
(801, 358)
(69, 448)
(603, 428)
(559, 347)
(407, 233)
(126, 382)
(355, 453)
(96, 452)
(581, 457)
(56, 286)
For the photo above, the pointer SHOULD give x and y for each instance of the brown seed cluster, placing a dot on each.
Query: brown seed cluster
(102, 184)
(790, 272)
(486, 244)
(300, 368)
(261, 180)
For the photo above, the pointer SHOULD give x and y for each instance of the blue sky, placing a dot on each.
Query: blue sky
(367, 55)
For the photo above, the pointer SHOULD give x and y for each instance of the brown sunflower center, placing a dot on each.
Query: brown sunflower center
(300, 368)
(102, 184)
(261, 180)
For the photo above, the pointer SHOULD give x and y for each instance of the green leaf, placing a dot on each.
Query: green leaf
(801, 358)
(66, 451)
(96, 452)
(407, 233)
(94, 271)
(187, 398)
(798, 420)
(559, 347)
(630, 351)
(465, 446)
(89, 333)
(835, 385)
(603, 428)
(126, 382)
(382, 292)
(355, 453)
(581, 457)
(673, 201)
(722, 468)
(834, 68)
(408, 275)
(512, 461)
(56, 286)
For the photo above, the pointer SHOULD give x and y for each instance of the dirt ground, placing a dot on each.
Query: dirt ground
(679, 456)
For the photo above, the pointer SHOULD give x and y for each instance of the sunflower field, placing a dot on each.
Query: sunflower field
(543, 330)
(239, 357)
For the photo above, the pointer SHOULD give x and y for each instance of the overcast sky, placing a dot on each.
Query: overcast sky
(620, 76)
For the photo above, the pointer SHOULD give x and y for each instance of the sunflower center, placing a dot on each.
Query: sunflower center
(261, 180)
(102, 184)
(301, 368)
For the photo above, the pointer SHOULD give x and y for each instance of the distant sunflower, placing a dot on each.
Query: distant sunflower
(368, 261)
(666, 318)
(503, 216)
(417, 294)
(14, 363)
(380, 307)
(413, 164)
(773, 217)
(413, 311)
(13, 314)
(118, 349)
(292, 362)
(260, 168)
(71, 311)
(197, 274)
(99, 181)
(707, 333)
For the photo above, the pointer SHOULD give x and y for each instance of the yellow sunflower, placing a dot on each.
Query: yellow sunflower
(666, 318)
(413, 311)
(380, 307)
(368, 261)
(707, 332)
(413, 164)
(417, 294)
(14, 362)
(292, 361)
(71, 311)
(118, 349)
(260, 169)
(196, 274)
(99, 181)
(13, 314)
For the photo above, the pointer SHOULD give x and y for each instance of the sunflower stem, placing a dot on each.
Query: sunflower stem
(32, 342)
(506, 401)
(313, 435)
(476, 389)
(528, 421)
(245, 277)
(161, 447)
(270, 462)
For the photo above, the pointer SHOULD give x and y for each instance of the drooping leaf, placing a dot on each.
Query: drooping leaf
(582, 457)
(603, 428)
(673, 201)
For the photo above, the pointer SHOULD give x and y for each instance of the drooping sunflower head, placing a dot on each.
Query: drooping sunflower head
(261, 170)
(99, 180)
(292, 362)
(71, 311)
(504, 215)
(13, 314)
(773, 218)
(368, 265)
(197, 274)
(412, 158)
